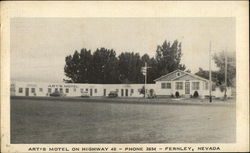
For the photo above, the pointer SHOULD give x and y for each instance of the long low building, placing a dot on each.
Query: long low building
(183, 83)
(72, 90)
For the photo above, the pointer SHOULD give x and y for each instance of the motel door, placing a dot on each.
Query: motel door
(126, 92)
(104, 92)
(91, 92)
(187, 88)
(26, 91)
(122, 92)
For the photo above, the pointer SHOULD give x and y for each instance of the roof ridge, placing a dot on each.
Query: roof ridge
(167, 74)
(193, 75)
(185, 73)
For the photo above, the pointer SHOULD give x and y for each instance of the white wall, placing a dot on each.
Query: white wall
(173, 89)
(160, 91)
(75, 89)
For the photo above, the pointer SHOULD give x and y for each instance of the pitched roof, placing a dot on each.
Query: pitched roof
(178, 77)
(165, 76)
(191, 75)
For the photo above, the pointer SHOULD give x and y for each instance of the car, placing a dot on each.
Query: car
(85, 94)
(57, 94)
(113, 94)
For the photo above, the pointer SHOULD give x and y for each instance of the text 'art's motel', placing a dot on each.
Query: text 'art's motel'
(168, 85)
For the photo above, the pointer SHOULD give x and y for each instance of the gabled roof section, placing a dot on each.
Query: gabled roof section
(169, 76)
(189, 76)
(172, 76)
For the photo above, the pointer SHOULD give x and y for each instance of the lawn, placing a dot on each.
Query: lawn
(57, 121)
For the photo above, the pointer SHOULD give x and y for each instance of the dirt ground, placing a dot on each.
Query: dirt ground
(57, 121)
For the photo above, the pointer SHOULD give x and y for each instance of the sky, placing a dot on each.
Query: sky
(39, 45)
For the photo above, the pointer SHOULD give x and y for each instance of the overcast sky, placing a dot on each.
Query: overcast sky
(40, 45)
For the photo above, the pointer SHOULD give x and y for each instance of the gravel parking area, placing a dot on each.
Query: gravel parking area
(35, 120)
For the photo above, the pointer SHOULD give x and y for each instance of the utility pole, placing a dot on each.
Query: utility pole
(144, 72)
(145, 80)
(225, 94)
(210, 75)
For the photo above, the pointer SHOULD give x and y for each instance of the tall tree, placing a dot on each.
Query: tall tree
(205, 74)
(129, 67)
(71, 67)
(219, 60)
(219, 76)
(105, 66)
(168, 57)
(85, 68)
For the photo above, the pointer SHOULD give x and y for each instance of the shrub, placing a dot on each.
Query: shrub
(177, 94)
(152, 93)
(196, 94)
(142, 90)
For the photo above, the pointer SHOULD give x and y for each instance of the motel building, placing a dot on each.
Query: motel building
(177, 81)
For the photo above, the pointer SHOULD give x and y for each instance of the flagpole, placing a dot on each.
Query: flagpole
(210, 75)
(225, 54)
(145, 80)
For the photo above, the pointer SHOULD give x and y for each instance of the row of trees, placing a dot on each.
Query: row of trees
(103, 66)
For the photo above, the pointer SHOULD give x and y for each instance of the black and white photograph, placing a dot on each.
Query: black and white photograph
(125, 81)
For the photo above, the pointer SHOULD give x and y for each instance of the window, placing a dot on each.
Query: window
(213, 87)
(169, 85)
(56, 89)
(49, 90)
(61, 90)
(196, 85)
(20, 90)
(178, 74)
(67, 90)
(163, 85)
(166, 85)
(74, 89)
(12, 89)
(82, 90)
(178, 85)
(95, 90)
(41, 89)
(206, 86)
(132, 91)
(87, 89)
(33, 90)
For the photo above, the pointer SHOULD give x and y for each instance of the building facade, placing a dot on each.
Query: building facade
(168, 85)
(182, 82)
(75, 90)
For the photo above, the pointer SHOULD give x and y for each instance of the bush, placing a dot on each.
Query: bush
(152, 93)
(142, 90)
(196, 94)
(177, 94)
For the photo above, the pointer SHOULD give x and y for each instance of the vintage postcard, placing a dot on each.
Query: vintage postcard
(124, 76)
